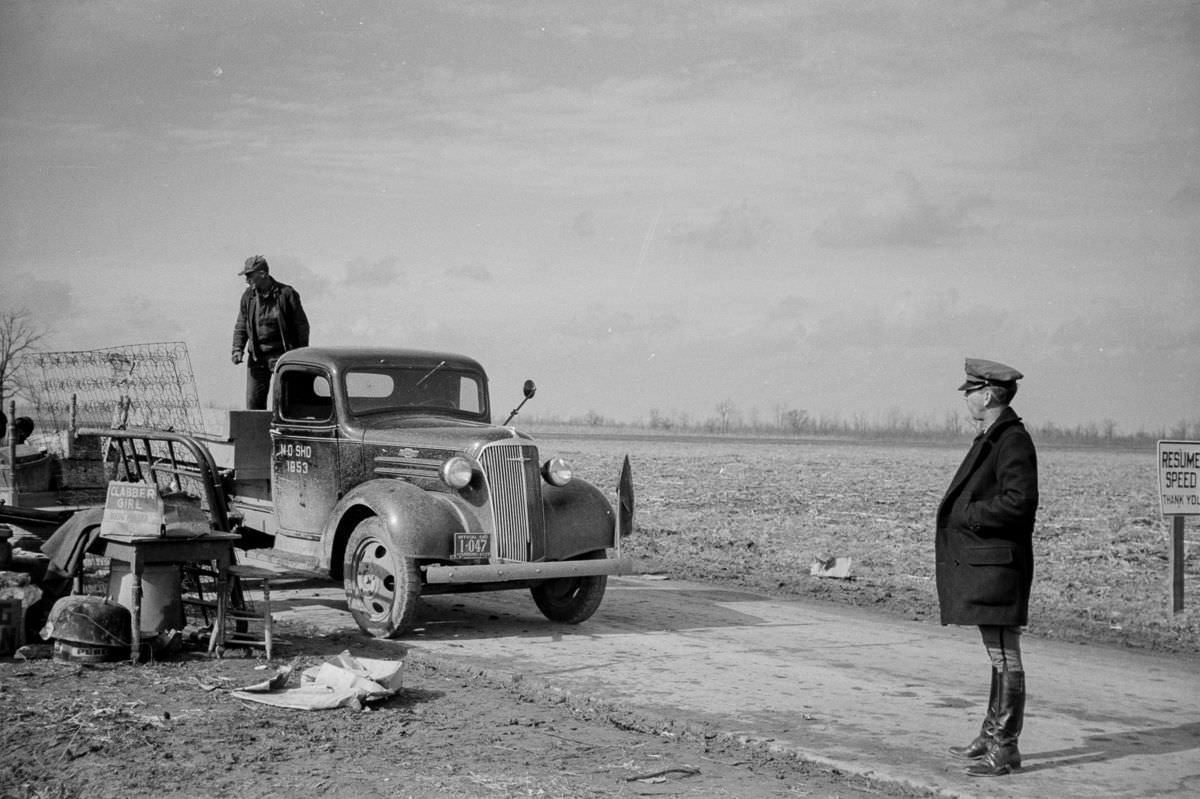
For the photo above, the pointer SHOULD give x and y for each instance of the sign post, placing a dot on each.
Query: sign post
(1179, 496)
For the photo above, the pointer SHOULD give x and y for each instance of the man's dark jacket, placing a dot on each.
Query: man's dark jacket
(293, 322)
(984, 542)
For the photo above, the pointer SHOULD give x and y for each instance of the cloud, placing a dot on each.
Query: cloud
(900, 214)
(381, 272)
(1118, 326)
(792, 317)
(790, 309)
(1186, 200)
(44, 299)
(735, 227)
(476, 272)
(582, 225)
(600, 324)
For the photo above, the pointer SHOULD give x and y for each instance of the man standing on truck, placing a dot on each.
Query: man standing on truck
(270, 322)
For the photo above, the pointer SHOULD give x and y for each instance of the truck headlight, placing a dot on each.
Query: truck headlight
(457, 472)
(557, 472)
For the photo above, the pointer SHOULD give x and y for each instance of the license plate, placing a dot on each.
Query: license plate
(472, 545)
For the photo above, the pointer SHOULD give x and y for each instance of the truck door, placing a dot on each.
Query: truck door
(304, 463)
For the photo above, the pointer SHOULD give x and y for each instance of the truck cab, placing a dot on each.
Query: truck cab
(382, 468)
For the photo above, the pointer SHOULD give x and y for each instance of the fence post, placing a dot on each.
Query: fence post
(13, 499)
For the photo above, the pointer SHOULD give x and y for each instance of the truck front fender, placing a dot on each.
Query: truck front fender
(579, 519)
(422, 523)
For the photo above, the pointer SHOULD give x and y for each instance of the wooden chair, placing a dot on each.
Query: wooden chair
(248, 622)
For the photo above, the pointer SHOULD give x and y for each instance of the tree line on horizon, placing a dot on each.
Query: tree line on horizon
(897, 424)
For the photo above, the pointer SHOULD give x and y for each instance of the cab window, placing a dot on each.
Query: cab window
(304, 395)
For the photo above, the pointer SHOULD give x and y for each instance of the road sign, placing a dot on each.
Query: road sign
(1179, 495)
(1179, 477)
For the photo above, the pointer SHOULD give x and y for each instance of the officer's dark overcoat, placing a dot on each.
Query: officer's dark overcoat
(984, 542)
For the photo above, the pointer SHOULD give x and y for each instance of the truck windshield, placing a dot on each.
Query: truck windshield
(406, 389)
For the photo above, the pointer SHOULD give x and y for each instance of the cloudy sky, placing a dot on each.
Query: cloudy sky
(643, 205)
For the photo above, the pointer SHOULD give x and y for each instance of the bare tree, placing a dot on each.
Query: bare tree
(794, 420)
(19, 336)
(725, 410)
(953, 424)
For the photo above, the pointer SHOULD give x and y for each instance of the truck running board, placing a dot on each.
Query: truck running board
(297, 565)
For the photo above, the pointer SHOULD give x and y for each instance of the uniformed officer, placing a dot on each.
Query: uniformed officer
(984, 549)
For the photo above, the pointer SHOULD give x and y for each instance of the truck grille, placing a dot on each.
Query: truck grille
(514, 482)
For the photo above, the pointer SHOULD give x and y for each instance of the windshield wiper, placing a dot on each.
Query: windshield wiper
(431, 373)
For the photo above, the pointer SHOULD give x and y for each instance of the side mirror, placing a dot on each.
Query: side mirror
(529, 389)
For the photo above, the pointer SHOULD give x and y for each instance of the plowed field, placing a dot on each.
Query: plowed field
(757, 513)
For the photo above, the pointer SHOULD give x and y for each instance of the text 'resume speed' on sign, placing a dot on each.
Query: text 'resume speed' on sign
(1179, 477)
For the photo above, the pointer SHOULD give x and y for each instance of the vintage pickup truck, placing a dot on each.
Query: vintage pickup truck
(383, 468)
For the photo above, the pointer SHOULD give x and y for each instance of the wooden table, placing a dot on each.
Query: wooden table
(138, 553)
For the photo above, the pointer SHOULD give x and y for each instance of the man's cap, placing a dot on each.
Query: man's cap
(253, 264)
(982, 373)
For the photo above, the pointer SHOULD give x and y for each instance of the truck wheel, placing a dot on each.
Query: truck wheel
(571, 600)
(382, 586)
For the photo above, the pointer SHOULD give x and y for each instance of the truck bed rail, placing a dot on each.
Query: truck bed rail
(150, 460)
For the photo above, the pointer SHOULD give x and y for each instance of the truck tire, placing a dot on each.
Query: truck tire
(571, 600)
(383, 587)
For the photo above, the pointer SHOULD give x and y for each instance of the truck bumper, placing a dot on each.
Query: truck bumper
(505, 572)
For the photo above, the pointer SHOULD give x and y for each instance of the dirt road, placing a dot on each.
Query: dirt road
(856, 692)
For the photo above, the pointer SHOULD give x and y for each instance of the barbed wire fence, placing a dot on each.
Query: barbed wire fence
(138, 385)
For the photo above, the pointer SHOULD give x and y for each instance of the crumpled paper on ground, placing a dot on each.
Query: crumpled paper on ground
(346, 682)
(838, 568)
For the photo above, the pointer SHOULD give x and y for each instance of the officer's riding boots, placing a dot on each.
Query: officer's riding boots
(978, 747)
(1002, 754)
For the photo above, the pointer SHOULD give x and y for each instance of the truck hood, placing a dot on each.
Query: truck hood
(434, 432)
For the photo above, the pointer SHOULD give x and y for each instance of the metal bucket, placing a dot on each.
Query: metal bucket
(162, 597)
(32, 472)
